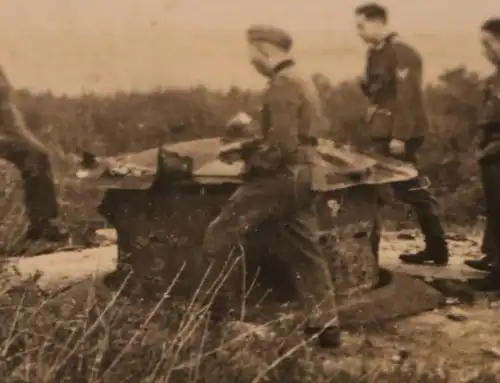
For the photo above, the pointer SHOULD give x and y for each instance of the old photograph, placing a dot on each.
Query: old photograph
(250, 191)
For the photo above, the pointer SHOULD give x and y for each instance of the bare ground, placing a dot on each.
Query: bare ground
(464, 337)
(459, 338)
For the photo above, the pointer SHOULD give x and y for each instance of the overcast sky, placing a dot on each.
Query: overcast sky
(53, 43)
(446, 16)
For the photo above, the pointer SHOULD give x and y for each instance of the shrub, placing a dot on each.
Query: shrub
(126, 122)
(89, 334)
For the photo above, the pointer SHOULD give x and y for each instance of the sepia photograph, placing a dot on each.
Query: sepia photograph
(283, 192)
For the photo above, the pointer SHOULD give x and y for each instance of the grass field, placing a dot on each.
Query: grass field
(89, 334)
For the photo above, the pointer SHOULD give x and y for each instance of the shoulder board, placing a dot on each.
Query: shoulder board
(396, 39)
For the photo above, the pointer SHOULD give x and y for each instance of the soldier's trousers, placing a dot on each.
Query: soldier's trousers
(285, 203)
(490, 177)
(417, 194)
(32, 161)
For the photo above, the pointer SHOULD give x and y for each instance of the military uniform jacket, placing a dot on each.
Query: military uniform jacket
(489, 118)
(5, 97)
(393, 85)
(12, 123)
(291, 118)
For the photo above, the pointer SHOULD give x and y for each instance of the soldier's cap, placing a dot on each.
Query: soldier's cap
(270, 34)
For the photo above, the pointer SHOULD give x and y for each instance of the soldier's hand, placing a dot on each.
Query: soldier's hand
(397, 147)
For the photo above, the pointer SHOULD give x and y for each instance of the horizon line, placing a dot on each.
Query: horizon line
(163, 88)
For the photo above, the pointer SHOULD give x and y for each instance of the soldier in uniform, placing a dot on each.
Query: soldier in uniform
(489, 160)
(397, 120)
(21, 148)
(277, 192)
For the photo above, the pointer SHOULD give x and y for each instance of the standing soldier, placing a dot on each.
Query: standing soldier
(21, 148)
(397, 120)
(489, 160)
(277, 192)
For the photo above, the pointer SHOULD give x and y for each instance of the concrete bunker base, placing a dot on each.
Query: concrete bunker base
(160, 230)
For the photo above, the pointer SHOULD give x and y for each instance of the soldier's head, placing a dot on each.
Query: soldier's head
(268, 46)
(371, 22)
(490, 38)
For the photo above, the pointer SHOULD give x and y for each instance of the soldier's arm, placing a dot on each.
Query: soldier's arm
(284, 99)
(4, 86)
(407, 67)
(5, 89)
(489, 115)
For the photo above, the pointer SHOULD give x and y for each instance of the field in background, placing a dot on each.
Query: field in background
(128, 122)
(92, 335)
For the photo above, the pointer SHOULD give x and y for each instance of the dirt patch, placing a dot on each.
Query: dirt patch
(66, 266)
(456, 341)
(437, 338)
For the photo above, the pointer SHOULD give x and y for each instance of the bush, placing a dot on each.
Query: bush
(127, 122)
(89, 334)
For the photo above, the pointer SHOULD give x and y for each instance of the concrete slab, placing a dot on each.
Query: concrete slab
(456, 270)
(59, 269)
(71, 266)
(460, 247)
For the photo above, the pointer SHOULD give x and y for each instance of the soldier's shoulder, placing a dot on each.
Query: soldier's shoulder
(402, 45)
(297, 74)
(291, 77)
(288, 84)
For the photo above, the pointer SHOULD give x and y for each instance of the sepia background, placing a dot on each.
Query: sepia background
(104, 45)
(159, 64)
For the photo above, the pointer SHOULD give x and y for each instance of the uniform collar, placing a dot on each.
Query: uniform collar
(283, 65)
(386, 40)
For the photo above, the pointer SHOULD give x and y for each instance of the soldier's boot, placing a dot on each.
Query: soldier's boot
(436, 249)
(42, 236)
(51, 230)
(41, 202)
(433, 255)
(488, 248)
(483, 264)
